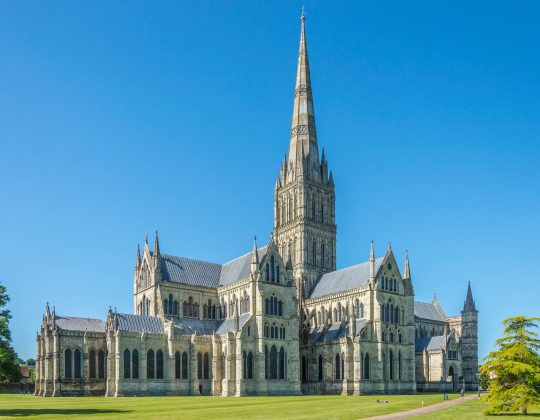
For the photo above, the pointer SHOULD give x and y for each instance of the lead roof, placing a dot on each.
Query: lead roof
(348, 278)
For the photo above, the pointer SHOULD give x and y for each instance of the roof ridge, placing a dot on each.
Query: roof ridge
(190, 259)
(78, 317)
(353, 266)
(244, 255)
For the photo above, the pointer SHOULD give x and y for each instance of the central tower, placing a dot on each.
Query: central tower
(304, 199)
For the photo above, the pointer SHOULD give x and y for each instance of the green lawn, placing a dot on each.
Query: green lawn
(473, 410)
(307, 407)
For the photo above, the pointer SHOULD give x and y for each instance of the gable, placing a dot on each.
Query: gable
(427, 311)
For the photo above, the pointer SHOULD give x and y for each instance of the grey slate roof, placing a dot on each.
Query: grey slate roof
(335, 331)
(188, 326)
(345, 279)
(187, 271)
(427, 311)
(227, 325)
(207, 274)
(238, 268)
(70, 323)
(436, 342)
(139, 323)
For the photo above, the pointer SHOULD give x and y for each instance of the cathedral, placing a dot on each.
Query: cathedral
(279, 320)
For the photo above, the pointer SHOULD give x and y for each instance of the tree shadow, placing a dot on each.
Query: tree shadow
(26, 412)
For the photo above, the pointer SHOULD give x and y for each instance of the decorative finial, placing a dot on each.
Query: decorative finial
(389, 246)
(434, 295)
(146, 239)
(303, 14)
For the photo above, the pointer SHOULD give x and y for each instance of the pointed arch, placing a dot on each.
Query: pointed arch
(92, 364)
(68, 373)
(127, 364)
(135, 364)
(150, 367)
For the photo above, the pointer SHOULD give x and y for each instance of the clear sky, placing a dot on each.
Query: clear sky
(119, 118)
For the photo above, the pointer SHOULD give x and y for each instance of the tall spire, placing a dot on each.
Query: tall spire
(407, 269)
(303, 131)
(469, 301)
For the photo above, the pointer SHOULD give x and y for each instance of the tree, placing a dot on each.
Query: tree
(30, 362)
(9, 368)
(514, 368)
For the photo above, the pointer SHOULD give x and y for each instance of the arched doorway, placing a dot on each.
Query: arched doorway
(452, 377)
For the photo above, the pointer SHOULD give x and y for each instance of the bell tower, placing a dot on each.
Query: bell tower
(304, 199)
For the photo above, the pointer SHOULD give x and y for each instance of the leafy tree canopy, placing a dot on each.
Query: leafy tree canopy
(514, 368)
(9, 366)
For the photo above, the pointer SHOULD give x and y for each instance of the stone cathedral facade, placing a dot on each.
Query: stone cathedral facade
(279, 320)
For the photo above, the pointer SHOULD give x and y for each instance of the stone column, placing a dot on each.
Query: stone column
(56, 365)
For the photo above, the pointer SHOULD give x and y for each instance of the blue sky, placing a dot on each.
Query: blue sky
(120, 118)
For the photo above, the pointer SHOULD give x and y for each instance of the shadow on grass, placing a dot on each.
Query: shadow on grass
(25, 412)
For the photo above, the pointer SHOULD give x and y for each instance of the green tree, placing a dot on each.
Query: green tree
(9, 368)
(30, 362)
(514, 368)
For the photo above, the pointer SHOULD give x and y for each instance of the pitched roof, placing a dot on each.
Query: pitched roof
(239, 268)
(437, 342)
(188, 271)
(188, 326)
(345, 279)
(207, 274)
(427, 311)
(334, 331)
(139, 323)
(227, 325)
(70, 323)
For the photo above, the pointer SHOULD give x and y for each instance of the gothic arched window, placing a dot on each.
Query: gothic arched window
(314, 253)
(150, 371)
(177, 365)
(135, 361)
(320, 376)
(304, 369)
(127, 364)
(184, 365)
(282, 363)
(250, 365)
(366, 367)
(92, 364)
(68, 373)
(267, 272)
(322, 256)
(159, 364)
(391, 361)
(101, 364)
(273, 363)
(77, 363)
(272, 268)
(338, 366)
(206, 366)
(199, 366)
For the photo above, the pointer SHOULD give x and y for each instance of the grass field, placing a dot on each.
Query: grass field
(307, 407)
(473, 410)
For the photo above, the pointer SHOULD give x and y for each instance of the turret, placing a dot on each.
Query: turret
(138, 258)
(371, 263)
(406, 269)
(254, 257)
